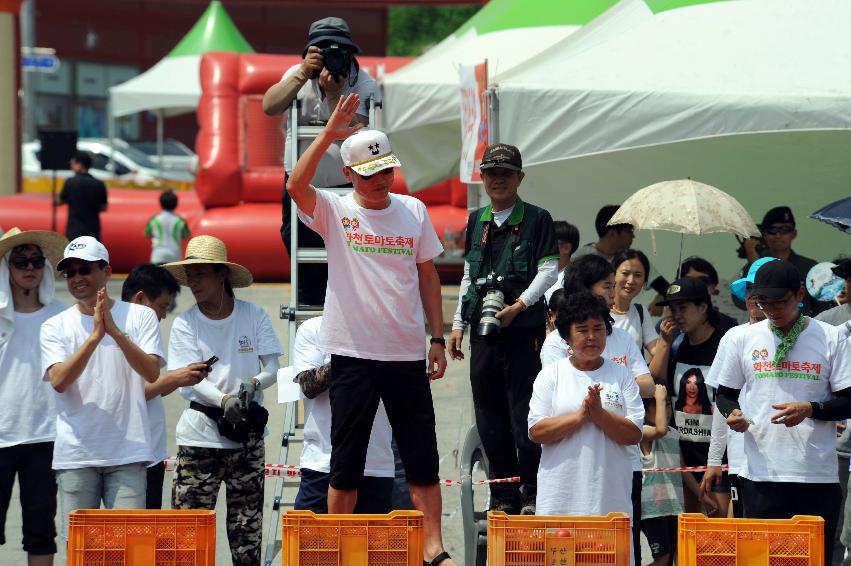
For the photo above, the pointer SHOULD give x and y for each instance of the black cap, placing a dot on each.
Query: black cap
(330, 29)
(842, 269)
(776, 278)
(778, 215)
(686, 289)
(502, 155)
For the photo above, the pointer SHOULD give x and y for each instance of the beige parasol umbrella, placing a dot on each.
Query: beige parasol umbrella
(687, 207)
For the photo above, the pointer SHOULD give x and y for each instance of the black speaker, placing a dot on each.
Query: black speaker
(57, 148)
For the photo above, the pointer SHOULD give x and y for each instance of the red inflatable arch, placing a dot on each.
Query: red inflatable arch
(238, 187)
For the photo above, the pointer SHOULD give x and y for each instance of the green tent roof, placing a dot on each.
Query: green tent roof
(498, 15)
(214, 31)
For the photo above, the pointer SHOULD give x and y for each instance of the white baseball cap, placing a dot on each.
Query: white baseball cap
(368, 152)
(85, 248)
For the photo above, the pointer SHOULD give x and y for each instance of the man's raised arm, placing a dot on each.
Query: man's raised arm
(337, 128)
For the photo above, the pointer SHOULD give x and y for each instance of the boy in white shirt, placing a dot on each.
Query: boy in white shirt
(154, 287)
(381, 249)
(28, 418)
(795, 374)
(98, 355)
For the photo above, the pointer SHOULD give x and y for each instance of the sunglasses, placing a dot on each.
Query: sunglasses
(22, 262)
(82, 270)
(778, 230)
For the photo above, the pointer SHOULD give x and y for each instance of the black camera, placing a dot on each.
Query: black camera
(761, 248)
(492, 286)
(338, 61)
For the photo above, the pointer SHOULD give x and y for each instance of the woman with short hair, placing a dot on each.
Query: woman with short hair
(585, 411)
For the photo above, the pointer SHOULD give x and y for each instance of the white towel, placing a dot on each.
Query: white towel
(7, 307)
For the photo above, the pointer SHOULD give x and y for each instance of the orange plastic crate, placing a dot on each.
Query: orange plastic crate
(529, 540)
(395, 539)
(798, 541)
(106, 537)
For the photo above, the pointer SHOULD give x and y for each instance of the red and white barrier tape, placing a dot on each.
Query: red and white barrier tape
(290, 471)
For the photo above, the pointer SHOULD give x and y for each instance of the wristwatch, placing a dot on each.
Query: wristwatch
(438, 340)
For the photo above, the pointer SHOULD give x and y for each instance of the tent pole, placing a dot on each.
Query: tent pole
(110, 127)
(160, 142)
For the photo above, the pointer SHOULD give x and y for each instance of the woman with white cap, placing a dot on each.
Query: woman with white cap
(220, 435)
(28, 418)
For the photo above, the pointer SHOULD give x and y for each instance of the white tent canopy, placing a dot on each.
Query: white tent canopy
(421, 111)
(749, 96)
(702, 71)
(172, 86)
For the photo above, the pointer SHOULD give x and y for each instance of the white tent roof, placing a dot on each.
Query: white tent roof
(172, 85)
(750, 96)
(421, 110)
(708, 70)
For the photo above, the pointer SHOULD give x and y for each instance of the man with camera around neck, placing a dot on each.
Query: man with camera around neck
(329, 72)
(511, 259)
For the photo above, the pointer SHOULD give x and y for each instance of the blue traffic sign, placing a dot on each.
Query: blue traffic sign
(44, 63)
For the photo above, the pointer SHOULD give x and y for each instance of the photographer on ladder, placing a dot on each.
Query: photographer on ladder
(511, 259)
(329, 71)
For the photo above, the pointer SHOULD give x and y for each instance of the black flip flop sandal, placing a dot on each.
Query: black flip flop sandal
(437, 559)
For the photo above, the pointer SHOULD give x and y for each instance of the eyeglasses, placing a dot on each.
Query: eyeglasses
(778, 229)
(387, 171)
(22, 262)
(82, 270)
(773, 305)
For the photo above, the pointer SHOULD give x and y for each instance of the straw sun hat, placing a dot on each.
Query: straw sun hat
(52, 244)
(209, 249)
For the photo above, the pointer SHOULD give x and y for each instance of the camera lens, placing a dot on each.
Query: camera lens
(493, 302)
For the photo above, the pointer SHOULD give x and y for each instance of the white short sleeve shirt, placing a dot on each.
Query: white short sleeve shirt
(373, 276)
(102, 418)
(816, 366)
(238, 340)
(597, 468)
(29, 404)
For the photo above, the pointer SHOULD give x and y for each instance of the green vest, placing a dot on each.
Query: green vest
(515, 261)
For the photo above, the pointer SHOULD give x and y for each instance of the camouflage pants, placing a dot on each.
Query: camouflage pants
(200, 472)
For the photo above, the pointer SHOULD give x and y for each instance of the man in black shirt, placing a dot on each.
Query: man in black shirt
(85, 197)
(778, 230)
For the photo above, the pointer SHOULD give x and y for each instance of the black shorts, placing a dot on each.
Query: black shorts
(375, 495)
(722, 487)
(356, 387)
(32, 463)
(661, 533)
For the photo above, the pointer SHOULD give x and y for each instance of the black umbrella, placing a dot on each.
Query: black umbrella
(836, 214)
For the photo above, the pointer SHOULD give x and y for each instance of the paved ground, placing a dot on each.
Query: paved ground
(453, 406)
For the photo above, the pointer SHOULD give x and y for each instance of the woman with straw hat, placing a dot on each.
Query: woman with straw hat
(28, 418)
(220, 435)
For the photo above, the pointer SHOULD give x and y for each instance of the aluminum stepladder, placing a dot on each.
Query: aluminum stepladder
(296, 313)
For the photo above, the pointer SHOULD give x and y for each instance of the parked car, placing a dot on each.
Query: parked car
(129, 165)
(176, 155)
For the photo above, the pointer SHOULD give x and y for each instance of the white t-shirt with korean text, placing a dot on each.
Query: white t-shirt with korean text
(102, 418)
(373, 308)
(316, 451)
(817, 365)
(29, 404)
(238, 340)
(597, 469)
